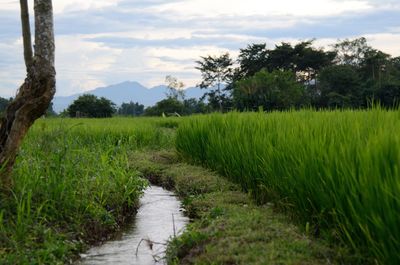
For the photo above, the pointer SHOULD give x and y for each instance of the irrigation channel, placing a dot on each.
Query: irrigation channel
(158, 218)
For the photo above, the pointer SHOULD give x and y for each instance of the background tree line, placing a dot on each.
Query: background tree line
(175, 104)
(351, 75)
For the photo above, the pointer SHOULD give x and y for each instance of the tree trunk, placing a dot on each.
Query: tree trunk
(36, 93)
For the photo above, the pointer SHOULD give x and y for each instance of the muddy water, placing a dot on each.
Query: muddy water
(159, 215)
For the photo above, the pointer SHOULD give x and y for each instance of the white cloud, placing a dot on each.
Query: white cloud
(12, 68)
(61, 6)
(145, 65)
(149, 33)
(75, 5)
(81, 63)
(146, 40)
(9, 5)
(214, 8)
(387, 42)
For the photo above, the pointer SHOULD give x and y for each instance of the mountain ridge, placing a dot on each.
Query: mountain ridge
(125, 92)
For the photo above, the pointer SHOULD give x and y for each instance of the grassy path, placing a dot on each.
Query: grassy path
(227, 227)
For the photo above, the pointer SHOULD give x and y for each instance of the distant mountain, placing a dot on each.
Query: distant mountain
(126, 92)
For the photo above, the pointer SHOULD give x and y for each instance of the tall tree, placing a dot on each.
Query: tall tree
(131, 109)
(168, 106)
(277, 90)
(385, 79)
(175, 88)
(302, 59)
(282, 58)
(216, 72)
(92, 107)
(252, 59)
(341, 86)
(36, 93)
(396, 63)
(374, 63)
(308, 61)
(351, 52)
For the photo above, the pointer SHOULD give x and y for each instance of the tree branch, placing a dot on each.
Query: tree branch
(26, 33)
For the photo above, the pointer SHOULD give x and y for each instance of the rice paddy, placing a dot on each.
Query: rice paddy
(337, 171)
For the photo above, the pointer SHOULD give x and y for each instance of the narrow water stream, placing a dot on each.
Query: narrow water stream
(159, 214)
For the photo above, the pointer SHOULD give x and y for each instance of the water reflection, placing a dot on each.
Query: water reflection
(160, 212)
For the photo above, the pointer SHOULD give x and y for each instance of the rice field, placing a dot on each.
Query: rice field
(73, 186)
(337, 171)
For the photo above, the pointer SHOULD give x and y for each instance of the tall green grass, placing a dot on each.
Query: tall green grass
(73, 186)
(337, 169)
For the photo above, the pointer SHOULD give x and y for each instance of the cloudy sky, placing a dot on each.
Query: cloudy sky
(103, 42)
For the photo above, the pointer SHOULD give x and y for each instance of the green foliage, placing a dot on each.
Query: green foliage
(396, 63)
(168, 106)
(340, 86)
(174, 107)
(73, 186)
(302, 59)
(351, 52)
(277, 90)
(131, 109)
(175, 104)
(92, 107)
(336, 169)
(388, 93)
(372, 76)
(216, 72)
(194, 106)
(252, 59)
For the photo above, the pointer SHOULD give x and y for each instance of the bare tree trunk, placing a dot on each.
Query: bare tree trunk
(36, 93)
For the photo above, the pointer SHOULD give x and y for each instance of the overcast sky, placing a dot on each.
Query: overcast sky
(103, 42)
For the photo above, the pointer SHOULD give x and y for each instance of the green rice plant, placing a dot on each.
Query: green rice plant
(339, 170)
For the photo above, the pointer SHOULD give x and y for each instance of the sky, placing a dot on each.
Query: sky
(104, 42)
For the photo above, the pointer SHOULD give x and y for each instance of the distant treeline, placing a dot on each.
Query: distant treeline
(175, 104)
(352, 74)
(90, 106)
